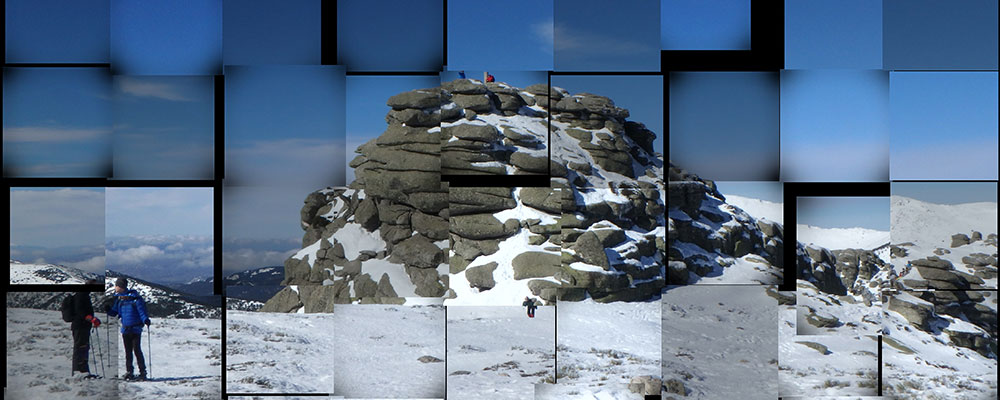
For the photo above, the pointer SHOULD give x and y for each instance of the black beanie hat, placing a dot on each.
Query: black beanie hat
(121, 282)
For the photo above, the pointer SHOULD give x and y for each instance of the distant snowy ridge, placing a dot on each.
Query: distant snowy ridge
(841, 238)
(758, 208)
(48, 274)
(932, 224)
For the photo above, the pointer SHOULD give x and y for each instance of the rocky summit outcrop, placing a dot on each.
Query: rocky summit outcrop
(706, 235)
(399, 231)
(924, 310)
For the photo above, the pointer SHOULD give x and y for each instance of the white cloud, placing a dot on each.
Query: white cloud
(134, 255)
(145, 88)
(93, 264)
(49, 134)
(545, 33)
(569, 39)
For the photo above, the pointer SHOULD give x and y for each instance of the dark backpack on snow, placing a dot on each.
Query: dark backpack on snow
(68, 309)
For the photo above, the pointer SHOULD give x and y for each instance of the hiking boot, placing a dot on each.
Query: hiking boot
(142, 376)
(91, 376)
(128, 376)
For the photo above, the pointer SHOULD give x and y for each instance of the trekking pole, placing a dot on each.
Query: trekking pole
(149, 349)
(107, 336)
(92, 356)
(100, 351)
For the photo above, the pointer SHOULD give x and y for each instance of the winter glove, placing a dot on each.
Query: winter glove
(147, 321)
(107, 308)
(93, 320)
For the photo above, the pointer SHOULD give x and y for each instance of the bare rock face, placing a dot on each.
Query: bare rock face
(702, 227)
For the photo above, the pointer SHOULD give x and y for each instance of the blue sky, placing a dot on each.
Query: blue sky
(947, 117)
(705, 24)
(58, 225)
(833, 34)
(843, 212)
(57, 31)
(641, 95)
(56, 122)
(391, 35)
(366, 110)
(834, 125)
(271, 32)
(285, 125)
(594, 35)
(724, 125)
(947, 192)
(931, 34)
(261, 225)
(523, 39)
(164, 127)
(159, 211)
(179, 37)
(767, 191)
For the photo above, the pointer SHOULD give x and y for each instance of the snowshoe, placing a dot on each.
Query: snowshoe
(91, 376)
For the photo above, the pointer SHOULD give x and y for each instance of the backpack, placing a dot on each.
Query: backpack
(68, 309)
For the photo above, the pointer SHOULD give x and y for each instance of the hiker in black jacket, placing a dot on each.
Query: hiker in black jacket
(528, 302)
(83, 321)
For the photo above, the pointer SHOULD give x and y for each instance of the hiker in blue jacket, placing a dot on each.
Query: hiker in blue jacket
(131, 310)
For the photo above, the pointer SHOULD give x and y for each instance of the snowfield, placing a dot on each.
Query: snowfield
(841, 238)
(601, 347)
(824, 365)
(39, 356)
(721, 341)
(925, 229)
(498, 352)
(47, 274)
(186, 360)
(380, 351)
(760, 209)
(921, 365)
(279, 353)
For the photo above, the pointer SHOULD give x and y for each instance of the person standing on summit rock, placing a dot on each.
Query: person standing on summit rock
(130, 308)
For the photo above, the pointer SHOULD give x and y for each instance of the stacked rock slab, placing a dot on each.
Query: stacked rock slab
(466, 127)
(694, 209)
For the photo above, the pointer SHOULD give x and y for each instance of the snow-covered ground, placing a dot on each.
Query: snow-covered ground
(379, 350)
(921, 365)
(758, 208)
(498, 352)
(47, 274)
(721, 341)
(186, 360)
(601, 347)
(852, 316)
(925, 229)
(39, 356)
(930, 224)
(279, 353)
(841, 238)
(824, 365)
